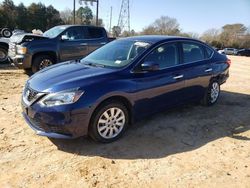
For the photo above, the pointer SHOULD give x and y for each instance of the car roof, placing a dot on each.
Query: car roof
(67, 26)
(157, 38)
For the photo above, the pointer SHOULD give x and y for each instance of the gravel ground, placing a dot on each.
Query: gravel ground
(191, 146)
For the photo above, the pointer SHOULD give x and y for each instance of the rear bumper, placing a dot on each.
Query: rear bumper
(223, 78)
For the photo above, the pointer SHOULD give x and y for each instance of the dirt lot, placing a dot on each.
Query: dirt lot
(192, 146)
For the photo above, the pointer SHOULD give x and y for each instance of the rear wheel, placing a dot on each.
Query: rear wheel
(3, 54)
(41, 62)
(212, 94)
(109, 122)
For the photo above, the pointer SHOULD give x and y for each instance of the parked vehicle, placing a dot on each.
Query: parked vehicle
(4, 46)
(120, 83)
(229, 51)
(243, 52)
(61, 43)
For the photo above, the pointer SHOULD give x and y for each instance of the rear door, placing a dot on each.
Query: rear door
(96, 37)
(73, 44)
(198, 70)
(162, 88)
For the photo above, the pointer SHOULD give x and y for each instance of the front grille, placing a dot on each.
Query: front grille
(12, 49)
(30, 95)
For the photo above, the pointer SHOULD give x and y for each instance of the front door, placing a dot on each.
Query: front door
(157, 90)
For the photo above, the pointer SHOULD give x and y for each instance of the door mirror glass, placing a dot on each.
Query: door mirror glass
(64, 37)
(149, 66)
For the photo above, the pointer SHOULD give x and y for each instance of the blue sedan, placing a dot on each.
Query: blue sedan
(121, 83)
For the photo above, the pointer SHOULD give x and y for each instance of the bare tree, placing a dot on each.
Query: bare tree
(66, 16)
(163, 26)
(210, 35)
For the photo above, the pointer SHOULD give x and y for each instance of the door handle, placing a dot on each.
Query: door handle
(102, 43)
(178, 77)
(83, 44)
(209, 70)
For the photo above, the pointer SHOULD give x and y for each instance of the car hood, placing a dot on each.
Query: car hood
(26, 37)
(68, 75)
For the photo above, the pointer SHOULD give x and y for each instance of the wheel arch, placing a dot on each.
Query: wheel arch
(115, 98)
(5, 45)
(49, 53)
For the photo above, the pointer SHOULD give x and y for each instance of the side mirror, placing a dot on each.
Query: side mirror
(150, 66)
(64, 37)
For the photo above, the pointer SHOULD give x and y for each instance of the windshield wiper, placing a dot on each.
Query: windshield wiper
(95, 65)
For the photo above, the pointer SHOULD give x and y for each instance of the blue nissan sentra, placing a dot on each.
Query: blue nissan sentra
(120, 83)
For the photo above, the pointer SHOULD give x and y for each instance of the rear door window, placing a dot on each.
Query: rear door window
(209, 52)
(95, 33)
(192, 52)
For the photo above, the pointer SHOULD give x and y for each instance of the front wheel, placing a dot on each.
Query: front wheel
(212, 94)
(109, 122)
(41, 62)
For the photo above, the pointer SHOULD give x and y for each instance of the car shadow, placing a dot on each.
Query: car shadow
(179, 130)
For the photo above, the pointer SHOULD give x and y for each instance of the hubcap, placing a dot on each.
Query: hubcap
(214, 92)
(45, 63)
(111, 123)
(3, 56)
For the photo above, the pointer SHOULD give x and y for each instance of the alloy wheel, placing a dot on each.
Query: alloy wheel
(215, 90)
(45, 63)
(111, 123)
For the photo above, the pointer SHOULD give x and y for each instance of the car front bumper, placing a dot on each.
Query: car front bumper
(21, 61)
(55, 123)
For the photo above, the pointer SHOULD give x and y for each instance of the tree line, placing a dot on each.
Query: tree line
(39, 16)
(230, 35)
(35, 16)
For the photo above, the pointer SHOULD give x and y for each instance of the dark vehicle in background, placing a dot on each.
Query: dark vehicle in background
(60, 43)
(243, 52)
(120, 83)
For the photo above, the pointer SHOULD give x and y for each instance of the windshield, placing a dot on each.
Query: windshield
(116, 54)
(54, 31)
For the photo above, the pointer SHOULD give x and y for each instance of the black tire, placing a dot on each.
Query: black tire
(208, 100)
(28, 72)
(6, 32)
(3, 54)
(93, 127)
(39, 60)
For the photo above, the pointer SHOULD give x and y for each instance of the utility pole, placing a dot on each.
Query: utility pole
(110, 21)
(97, 12)
(97, 8)
(74, 11)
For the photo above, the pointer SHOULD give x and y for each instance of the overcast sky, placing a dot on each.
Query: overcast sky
(192, 15)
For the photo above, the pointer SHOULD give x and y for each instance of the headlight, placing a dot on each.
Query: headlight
(21, 50)
(61, 98)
